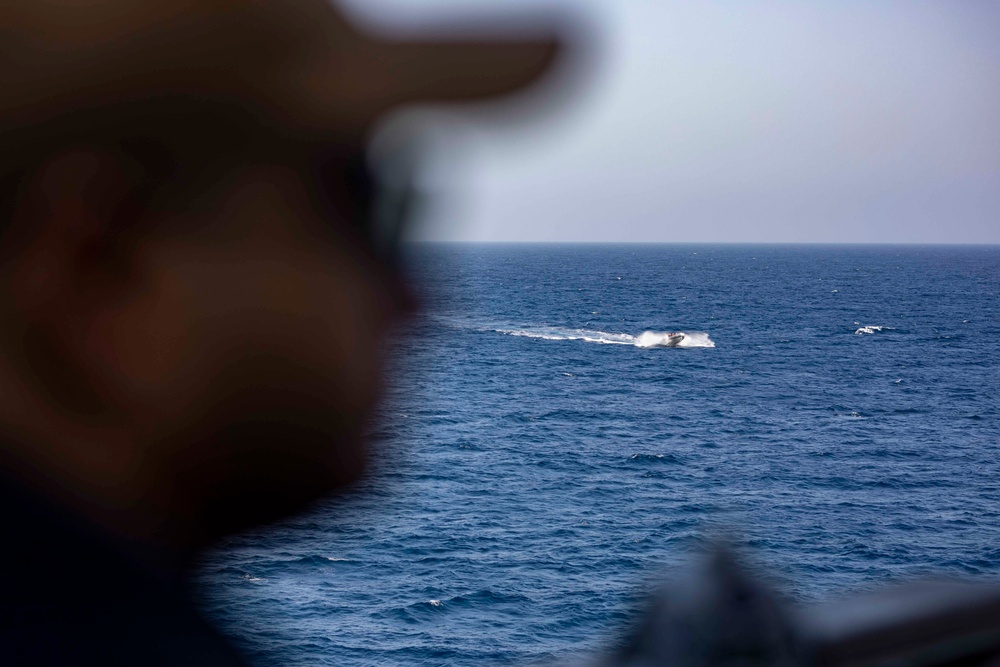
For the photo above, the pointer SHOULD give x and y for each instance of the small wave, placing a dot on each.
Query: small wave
(871, 329)
(424, 610)
(647, 339)
(655, 458)
(488, 596)
(312, 561)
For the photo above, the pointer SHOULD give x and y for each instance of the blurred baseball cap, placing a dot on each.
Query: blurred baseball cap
(231, 71)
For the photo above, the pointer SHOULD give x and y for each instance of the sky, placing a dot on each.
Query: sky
(849, 121)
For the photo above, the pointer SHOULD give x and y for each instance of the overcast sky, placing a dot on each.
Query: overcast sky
(758, 122)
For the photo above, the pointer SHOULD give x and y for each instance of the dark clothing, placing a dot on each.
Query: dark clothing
(69, 595)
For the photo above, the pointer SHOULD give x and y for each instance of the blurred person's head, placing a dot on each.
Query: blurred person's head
(194, 294)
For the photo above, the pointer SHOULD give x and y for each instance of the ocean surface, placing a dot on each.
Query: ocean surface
(833, 410)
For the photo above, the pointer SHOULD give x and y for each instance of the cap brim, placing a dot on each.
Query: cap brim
(467, 70)
(352, 88)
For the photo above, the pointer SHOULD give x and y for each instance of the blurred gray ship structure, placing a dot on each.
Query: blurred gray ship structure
(718, 615)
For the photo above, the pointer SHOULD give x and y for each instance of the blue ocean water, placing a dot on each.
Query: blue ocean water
(833, 409)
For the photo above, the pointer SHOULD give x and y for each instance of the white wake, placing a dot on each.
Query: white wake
(647, 339)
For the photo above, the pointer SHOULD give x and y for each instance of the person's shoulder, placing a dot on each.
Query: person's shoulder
(70, 596)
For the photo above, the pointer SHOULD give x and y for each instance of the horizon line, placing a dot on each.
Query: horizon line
(720, 243)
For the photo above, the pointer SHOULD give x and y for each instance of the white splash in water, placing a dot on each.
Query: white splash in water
(871, 329)
(670, 339)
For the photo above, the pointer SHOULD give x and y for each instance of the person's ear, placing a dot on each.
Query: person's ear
(66, 272)
(68, 219)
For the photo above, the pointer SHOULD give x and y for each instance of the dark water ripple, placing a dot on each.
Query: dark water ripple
(527, 482)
